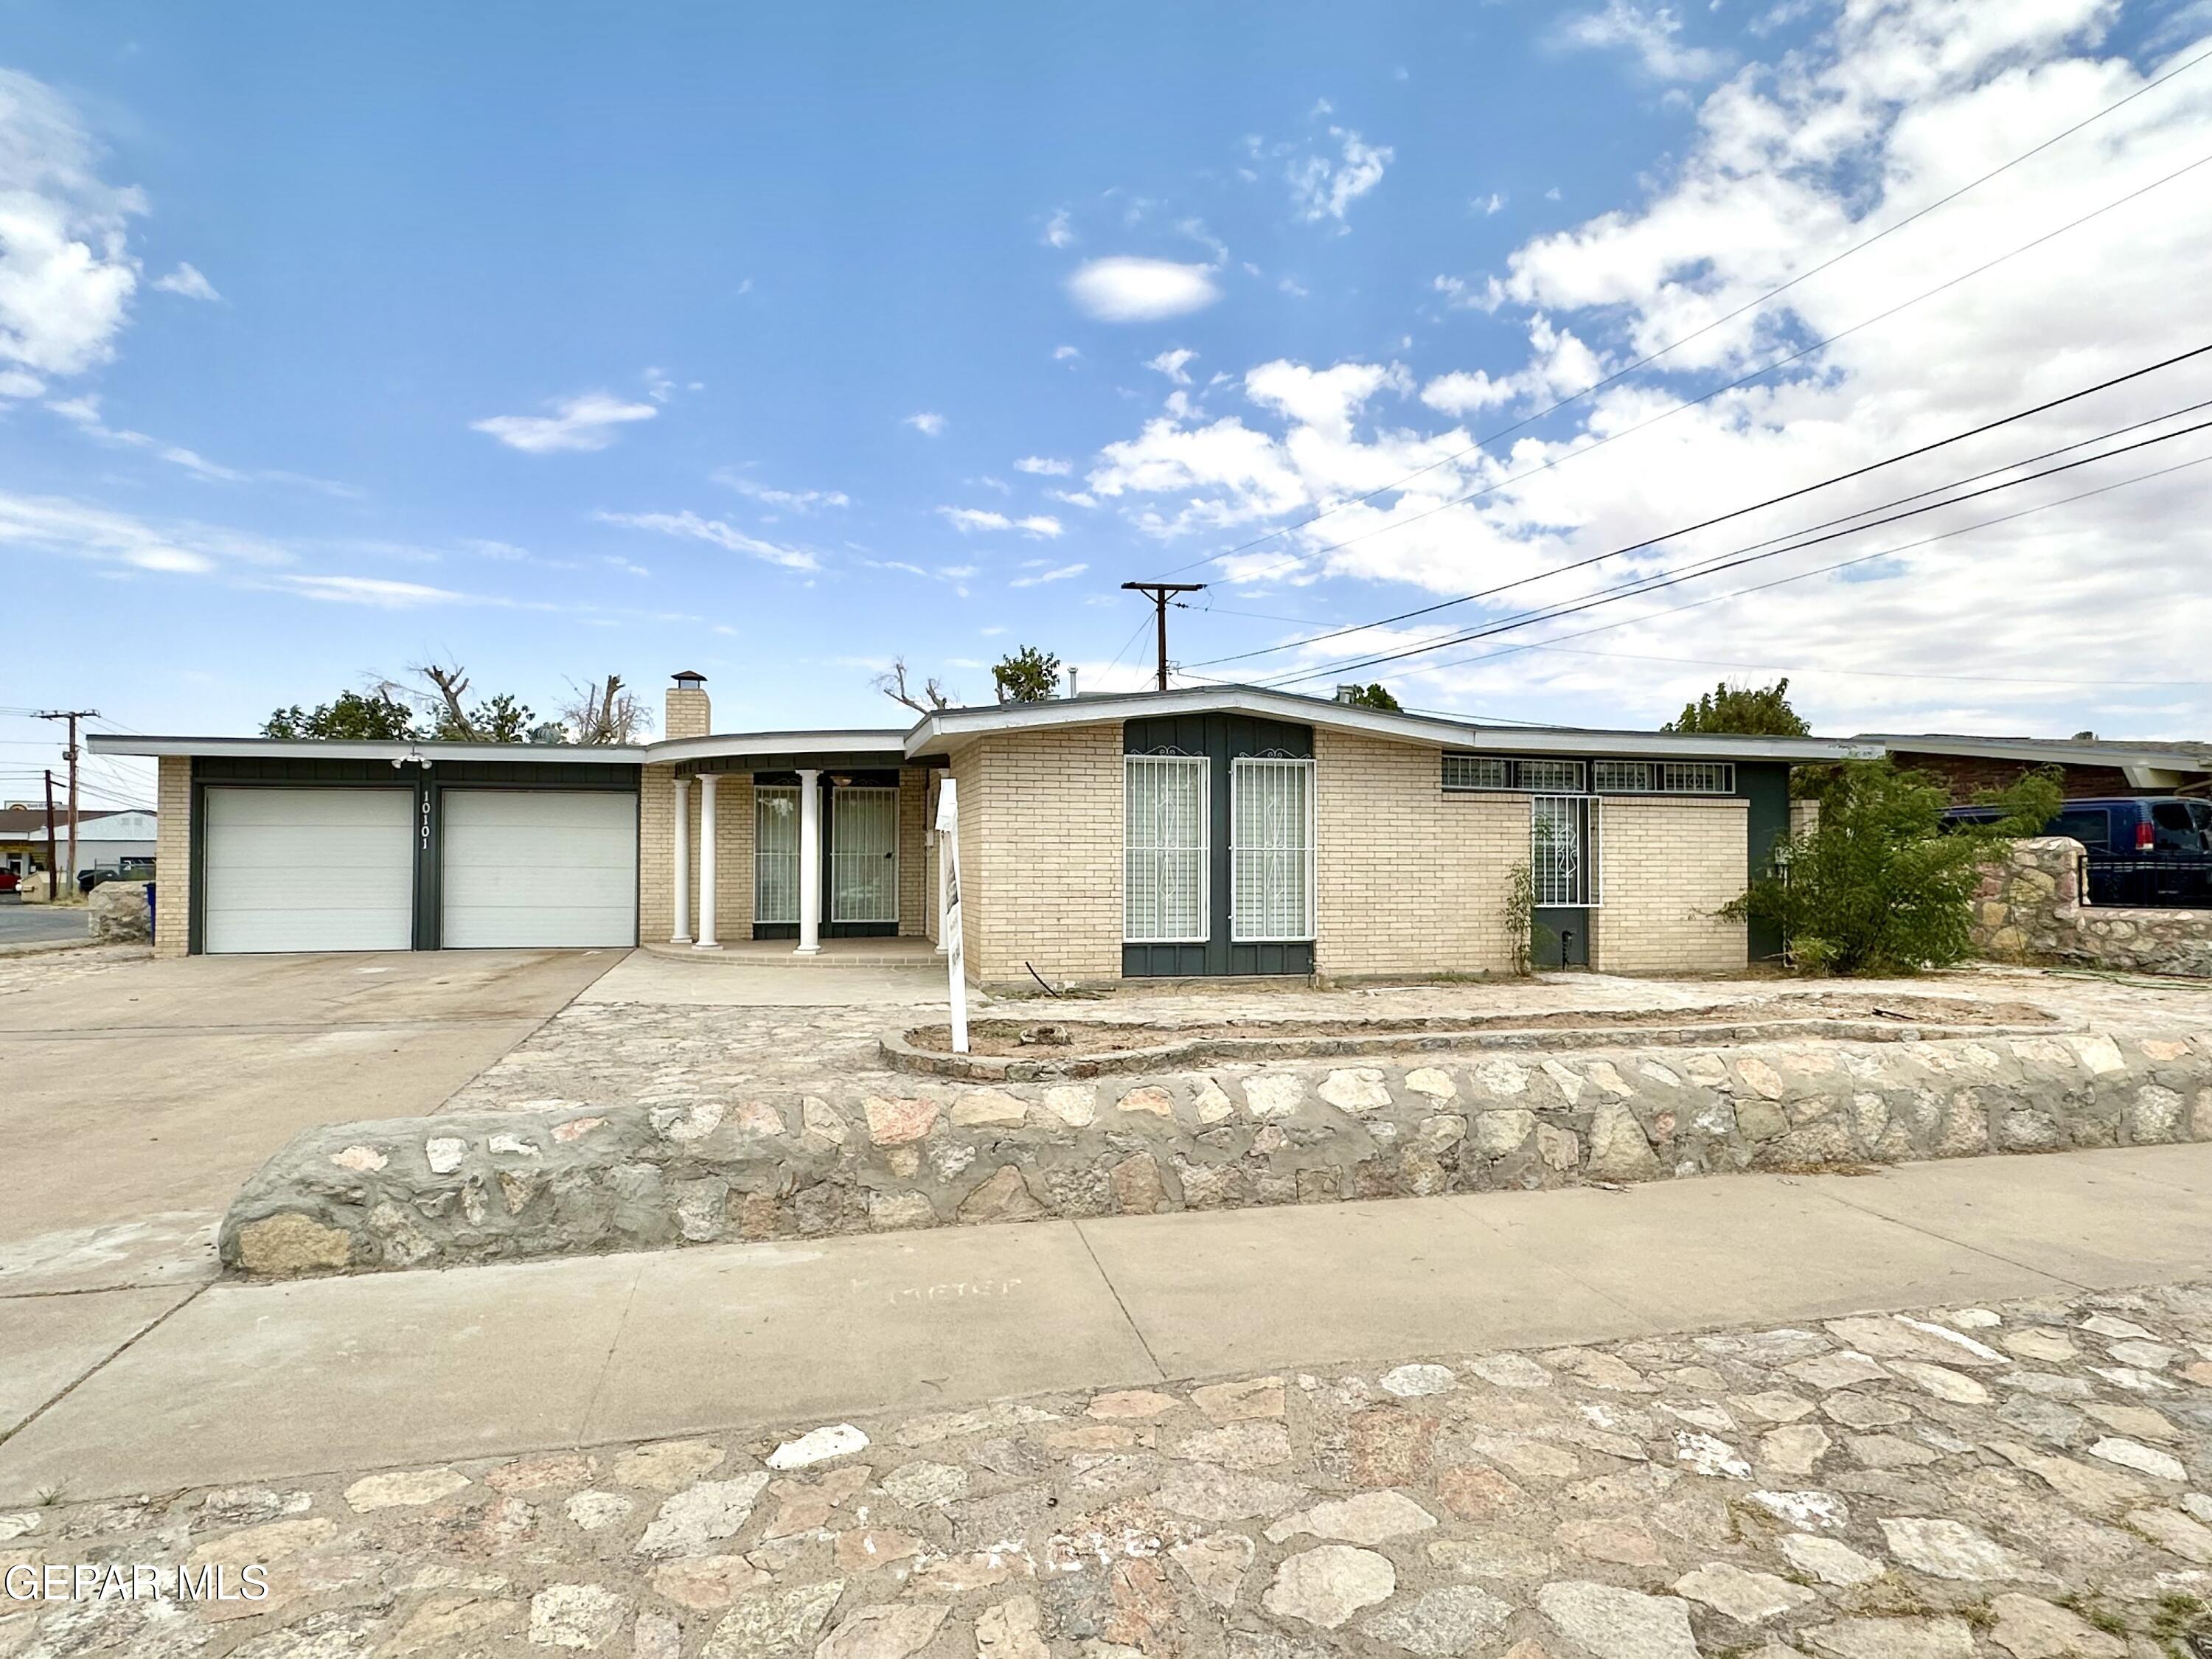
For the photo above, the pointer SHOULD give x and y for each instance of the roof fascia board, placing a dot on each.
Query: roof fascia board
(2113, 754)
(739, 743)
(555, 754)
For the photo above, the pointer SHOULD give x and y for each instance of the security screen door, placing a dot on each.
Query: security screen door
(776, 854)
(864, 855)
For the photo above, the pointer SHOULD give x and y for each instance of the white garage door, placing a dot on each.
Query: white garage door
(539, 866)
(308, 870)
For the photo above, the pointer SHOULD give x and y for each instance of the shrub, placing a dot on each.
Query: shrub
(1883, 886)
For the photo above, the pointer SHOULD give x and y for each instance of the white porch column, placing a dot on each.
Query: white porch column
(707, 939)
(680, 932)
(809, 862)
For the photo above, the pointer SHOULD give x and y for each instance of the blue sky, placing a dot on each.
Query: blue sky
(560, 340)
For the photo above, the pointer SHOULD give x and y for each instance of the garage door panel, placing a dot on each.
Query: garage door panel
(544, 868)
(308, 870)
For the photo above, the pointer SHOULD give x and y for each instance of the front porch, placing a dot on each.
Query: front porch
(829, 953)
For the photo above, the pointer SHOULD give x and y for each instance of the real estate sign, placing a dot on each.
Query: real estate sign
(948, 903)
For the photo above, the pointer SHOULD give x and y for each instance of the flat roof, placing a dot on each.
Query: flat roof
(2079, 751)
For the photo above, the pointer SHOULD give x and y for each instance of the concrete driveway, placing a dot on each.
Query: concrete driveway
(141, 1095)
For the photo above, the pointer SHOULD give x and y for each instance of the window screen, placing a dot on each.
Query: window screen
(1563, 775)
(1271, 848)
(1164, 856)
(1475, 772)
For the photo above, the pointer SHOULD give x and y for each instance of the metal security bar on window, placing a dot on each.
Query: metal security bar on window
(1552, 776)
(775, 854)
(1616, 777)
(1164, 850)
(864, 855)
(1563, 849)
(1271, 852)
(1475, 772)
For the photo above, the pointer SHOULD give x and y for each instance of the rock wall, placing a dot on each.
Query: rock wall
(2029, 909)
(490, 1186)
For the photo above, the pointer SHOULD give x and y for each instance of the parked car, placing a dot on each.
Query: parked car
(9, 881)
(2142, 849)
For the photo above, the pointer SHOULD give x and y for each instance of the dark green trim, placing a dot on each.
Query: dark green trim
(857, 760)
(1764, 787)
(1221, 739)
(310, 769)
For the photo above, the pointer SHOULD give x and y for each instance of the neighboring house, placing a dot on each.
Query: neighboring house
(2089, 767)
(1230, 830)
(104, 839)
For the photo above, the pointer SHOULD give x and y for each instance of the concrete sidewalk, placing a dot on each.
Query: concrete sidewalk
(244, 1383)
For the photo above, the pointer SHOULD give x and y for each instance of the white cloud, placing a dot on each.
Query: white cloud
(1057, 231)
(186, 280)
(1486, 205)
(1044, 466)
(1126, 290)
(967, 519)
(66, 272)
(1893, 107)
(368, 590)
(589, 422)
(716, 532)
(795, 500)
(1171, 364)
(1056, 574)
(1652, 33)
(926, 421)
(1066, 353)
(1321, 188)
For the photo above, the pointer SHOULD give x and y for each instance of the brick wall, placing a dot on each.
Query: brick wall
(1409, 879)
(1041, 855)
(173, 855)
(1962, 775)
(734, 855)
(656, 853)
(1665, 866)
(685, 714)
(915, 893)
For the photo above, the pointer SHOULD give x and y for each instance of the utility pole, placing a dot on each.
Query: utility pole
(53, 894)
(1157, 592)
(72, 715)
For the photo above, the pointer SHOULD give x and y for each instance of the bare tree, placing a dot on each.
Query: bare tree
(934, 694)
(604, 713)
(452, 719)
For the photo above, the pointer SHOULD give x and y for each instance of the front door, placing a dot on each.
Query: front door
(863, 861)
(1562, 868)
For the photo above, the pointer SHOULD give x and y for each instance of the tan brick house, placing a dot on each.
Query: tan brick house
(1230, 830)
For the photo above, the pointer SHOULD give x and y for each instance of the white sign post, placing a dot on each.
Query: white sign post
(948, 914)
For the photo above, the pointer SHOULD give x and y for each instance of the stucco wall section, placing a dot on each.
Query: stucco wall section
(914, 890)
(1041, 855)
(1666, 866)
(173, 855)
(656, 853)
(1409, 879)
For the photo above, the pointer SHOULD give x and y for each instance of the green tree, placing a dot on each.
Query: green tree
(1883, 885)
(495, 719)
(1368, 696)
(376, 714)
(1742, 710)
(1027, 675)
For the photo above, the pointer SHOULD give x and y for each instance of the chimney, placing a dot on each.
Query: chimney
(1071, 679)
(686, 711)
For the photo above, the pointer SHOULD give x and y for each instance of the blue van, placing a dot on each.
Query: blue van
(2142, 849)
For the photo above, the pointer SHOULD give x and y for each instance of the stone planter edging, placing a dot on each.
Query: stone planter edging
(507, 1185)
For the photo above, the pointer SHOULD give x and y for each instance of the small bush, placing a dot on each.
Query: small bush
(1882, 885)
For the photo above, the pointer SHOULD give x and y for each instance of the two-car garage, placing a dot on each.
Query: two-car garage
(341, 859)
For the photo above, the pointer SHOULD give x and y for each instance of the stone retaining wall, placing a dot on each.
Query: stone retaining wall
(2029, 909)
(489, 1186)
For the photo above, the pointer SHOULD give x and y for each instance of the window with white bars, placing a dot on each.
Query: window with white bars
(1552, 776)
(1562, 832)
(775, 852)
(1271, 849)
(1163, 849)
(1476, 772)
(1616, 777)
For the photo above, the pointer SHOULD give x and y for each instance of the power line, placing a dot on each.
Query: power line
(1673, 346)
(1856, 674)
(1722, 562)
(1707, 397)
(1802, 575)
(1755, 506)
